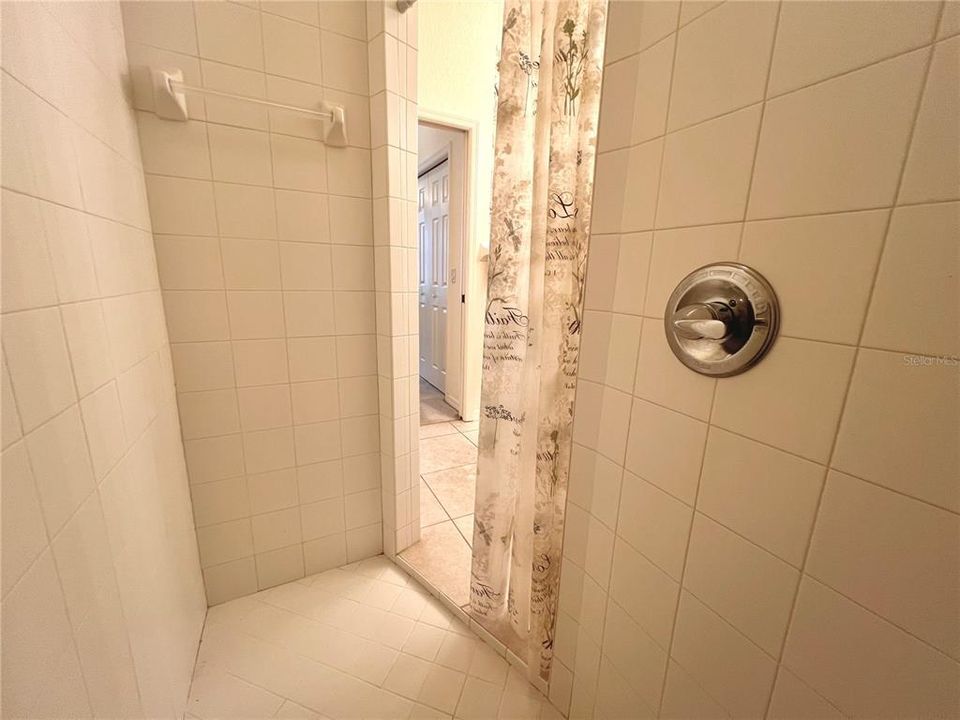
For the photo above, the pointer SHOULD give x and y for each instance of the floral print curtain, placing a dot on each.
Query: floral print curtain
(548, 105)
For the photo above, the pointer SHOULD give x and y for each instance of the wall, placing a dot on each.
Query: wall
(392, 53)
(784, 542)
(459, 51)
(102, 595)
(265, 248)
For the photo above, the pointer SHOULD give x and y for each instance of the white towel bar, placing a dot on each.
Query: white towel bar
(170, 102)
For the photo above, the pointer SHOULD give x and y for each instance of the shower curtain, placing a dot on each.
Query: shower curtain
(548, 105)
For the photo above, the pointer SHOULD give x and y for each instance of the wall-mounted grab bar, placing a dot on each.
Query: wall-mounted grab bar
(170, 102)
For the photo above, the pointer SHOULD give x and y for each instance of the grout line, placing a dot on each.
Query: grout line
(756, 144)
(776, 96)
(853, 368)
(686, 554)
(236, 394)
(216, 181)
(797, 216)
(286, 335)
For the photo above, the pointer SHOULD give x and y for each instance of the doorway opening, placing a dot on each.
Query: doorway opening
(448, 440)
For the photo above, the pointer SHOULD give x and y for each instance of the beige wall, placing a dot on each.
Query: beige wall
(784, 542)
(102, 595)
(265, 248)
(458, 53)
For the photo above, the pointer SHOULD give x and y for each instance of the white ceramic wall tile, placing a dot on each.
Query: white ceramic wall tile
(39, 365)
(750, 588)
(900, 424)
(794, 698)
(291, 49)
(862, 664)
(635, 26)
(862, 527)
(654, 523)
(841, 43)
(640, 186)
(345, 17)
(645, 592)
(766, 495)
(683, 697)
(344, 62)
(950, 20)
(239, 155)
(664, 381)
(618, 104)
(792, 400)
(229, 33)
(232, 79)
(28, 279)
(634, 654)
(181, 207)
(676, 253)
(665, 448)
(916, 273)
(100, 476)
(722, 61)
(742, 681)
(61, 467)
(24, 534)
(831, 146)
(188, 263)
(706, 171)
(851, 122)
(929, 173)
(164, 24)
(822, 268)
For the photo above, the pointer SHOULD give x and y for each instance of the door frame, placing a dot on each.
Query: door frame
(467, 129)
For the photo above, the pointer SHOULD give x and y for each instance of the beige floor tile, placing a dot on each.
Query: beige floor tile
(443, 558)
(433, 407)
(448, 451)
(327, 646)
(431, 511)
(437, 429)
(454, 488)
(465, 526)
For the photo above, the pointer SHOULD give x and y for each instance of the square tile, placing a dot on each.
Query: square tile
(899, 426)
(768, 496)
(706, 171)
(865, 533)
(792, 400)
(722, 62)
(750, 588)
(851, 122)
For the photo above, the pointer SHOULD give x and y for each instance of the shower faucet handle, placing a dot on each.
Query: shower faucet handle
(702, 320)
(721, 319)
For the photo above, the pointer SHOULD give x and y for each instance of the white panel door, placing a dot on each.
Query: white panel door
(433, 199)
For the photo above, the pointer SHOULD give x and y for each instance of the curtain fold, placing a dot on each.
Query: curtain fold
(548, 105)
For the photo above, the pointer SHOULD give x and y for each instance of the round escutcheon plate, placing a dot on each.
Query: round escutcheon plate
(722, 319)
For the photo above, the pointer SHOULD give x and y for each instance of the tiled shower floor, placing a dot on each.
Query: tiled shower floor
(448, 478)
(360, 642)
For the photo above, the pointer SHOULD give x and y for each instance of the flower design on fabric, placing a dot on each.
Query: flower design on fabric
(571, 58)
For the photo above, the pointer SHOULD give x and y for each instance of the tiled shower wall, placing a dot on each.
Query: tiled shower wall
(264, 240)
(393, 117)
(102, 595)
(784, 542)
